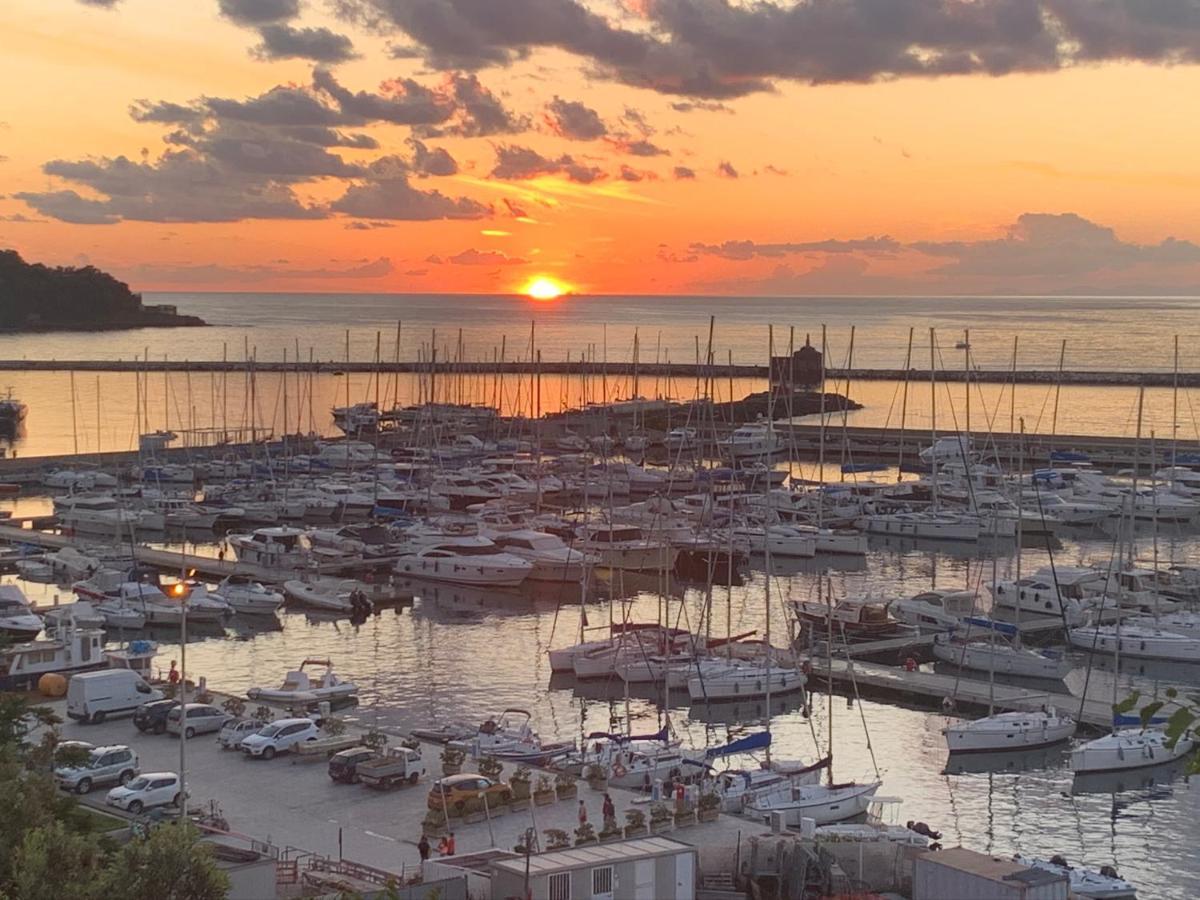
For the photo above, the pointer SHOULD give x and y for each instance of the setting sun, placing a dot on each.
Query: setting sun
(543, 288)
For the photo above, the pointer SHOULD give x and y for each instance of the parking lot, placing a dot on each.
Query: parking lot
(291, 802)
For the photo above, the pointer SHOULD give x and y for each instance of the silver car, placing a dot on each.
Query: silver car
(200, 719)
(116, 765)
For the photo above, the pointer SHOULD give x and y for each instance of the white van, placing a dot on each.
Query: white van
(92, 696)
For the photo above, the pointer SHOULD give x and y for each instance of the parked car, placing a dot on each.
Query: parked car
(105, 765)
(93, 696)
(343, 765)
(201, 718)
(279, 737)
(235, 730)
(454, 790)
(152, 717)
(152, 789)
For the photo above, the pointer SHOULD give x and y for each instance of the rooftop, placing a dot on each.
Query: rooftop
(593, 855)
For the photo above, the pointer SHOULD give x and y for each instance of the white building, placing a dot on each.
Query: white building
(649, 868)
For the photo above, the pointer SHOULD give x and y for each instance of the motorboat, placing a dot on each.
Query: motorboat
(995, 653)
(1102, 884)
(364, 540)
(627, 547)
(824, 804)
(551, 557)
(681, 439)
(751, 441)
(17, 618)
(934, 611)
(247, 596)
(1061, 591)
(563, 658)
(1009, 731)
(344, 595)
(103, 513)
(1128, 748)
(33, 568)
(841, 541)
(68, 649)
(475, 560)
(930, 525)
(777, 540)
(299, 686)
(272, 549)
(159, 608)
(81, 613)
(118, 616)
(849, 619)
(79, 479)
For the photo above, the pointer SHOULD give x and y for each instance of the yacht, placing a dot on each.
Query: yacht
(69, 650)
(473, 560)
(857, 619)
(79, 479)
(336, 594)
(721, 679)
(1137, 641)
(627, 547)
(777, 540)
(247, 596)
(1128, 748)
(16, 616)
(102, 512)
(1009, 731)
(1104, 884)
(751, 442)
(1062, 591)
(929, 525)
(272, 549)
(552, 559)
(934, 611)
(681, 439)
(824, 804)
(159, 608)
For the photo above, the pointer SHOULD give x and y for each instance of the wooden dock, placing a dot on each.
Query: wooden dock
(932, 688)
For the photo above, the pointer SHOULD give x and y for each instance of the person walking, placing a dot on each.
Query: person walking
(582, 814)
(609, 811)
(423, 848)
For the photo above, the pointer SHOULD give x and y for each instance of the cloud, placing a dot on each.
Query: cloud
(743, 249)
(181, 186)
(637, 119)
(519, 163)
(515, 211)
(385, 194)
(403, 102)
(104, 4)
(368, 226)
(1039, 252)
(726, 170)
(641, 147)
(431, 162)
(480, 112)
(473, 257)
(222, 274)
(574, 121)
(259, 12)
(686, 106)
(281, 105)
(683, 172)
(318, 44)
(716, 49)
(628, 173)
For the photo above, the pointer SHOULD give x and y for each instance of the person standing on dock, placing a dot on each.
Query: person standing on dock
(582, 814)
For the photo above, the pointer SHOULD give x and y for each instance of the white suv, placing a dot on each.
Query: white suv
(152, 789)
(279, 737)
(104, 765)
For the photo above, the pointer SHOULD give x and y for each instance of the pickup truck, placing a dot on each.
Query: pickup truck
(400, 765)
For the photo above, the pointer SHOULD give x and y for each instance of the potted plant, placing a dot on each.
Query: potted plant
(710, 807)
(376, 740)
(543, 794)
(519, 783)
(597, 777)
(235, 706)
(660, 818)
(557, 839)
(263, 714)
(585, 834)
(611, 831)
(685, 816)
(635, 823)
(564, 786)
(407, 743)
(452, 761)
(490, 767)
(472, 810)
(434, 823)
(334, 727)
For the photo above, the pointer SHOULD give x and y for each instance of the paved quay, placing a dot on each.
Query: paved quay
(292, 803)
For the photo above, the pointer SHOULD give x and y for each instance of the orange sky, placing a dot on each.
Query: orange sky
(944, 166)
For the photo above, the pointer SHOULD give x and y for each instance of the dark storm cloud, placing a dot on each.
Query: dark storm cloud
(519, 163)
(318, 44)
(259, 12)
(718, 49)
(574, 121)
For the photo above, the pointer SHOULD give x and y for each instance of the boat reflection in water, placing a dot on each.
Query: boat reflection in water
(744, 712)
(1156, 780)
(1002, 762)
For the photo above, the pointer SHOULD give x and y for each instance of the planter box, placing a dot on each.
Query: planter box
(579, 843)
(683, 820)
(451, 768)
(520, 789)
(632, 831)
(519, 805)
(473, 817)
(708, 815)
(661, 827)
(598, 784)
(607, 838)
(567, 793)
(544, 798)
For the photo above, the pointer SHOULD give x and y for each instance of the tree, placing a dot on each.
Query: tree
(171, 864)
(54, 863)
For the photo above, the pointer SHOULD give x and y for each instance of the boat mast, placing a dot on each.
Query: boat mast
(904, 405)
(967, 379)
(820, 434)
(933, 455)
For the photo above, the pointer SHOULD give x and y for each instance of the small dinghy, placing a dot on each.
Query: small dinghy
(1104, 884)
(300, 687)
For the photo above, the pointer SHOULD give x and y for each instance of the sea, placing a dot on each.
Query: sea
(455, 653)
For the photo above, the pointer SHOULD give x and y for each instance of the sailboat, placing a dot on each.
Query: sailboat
(1125, 748)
